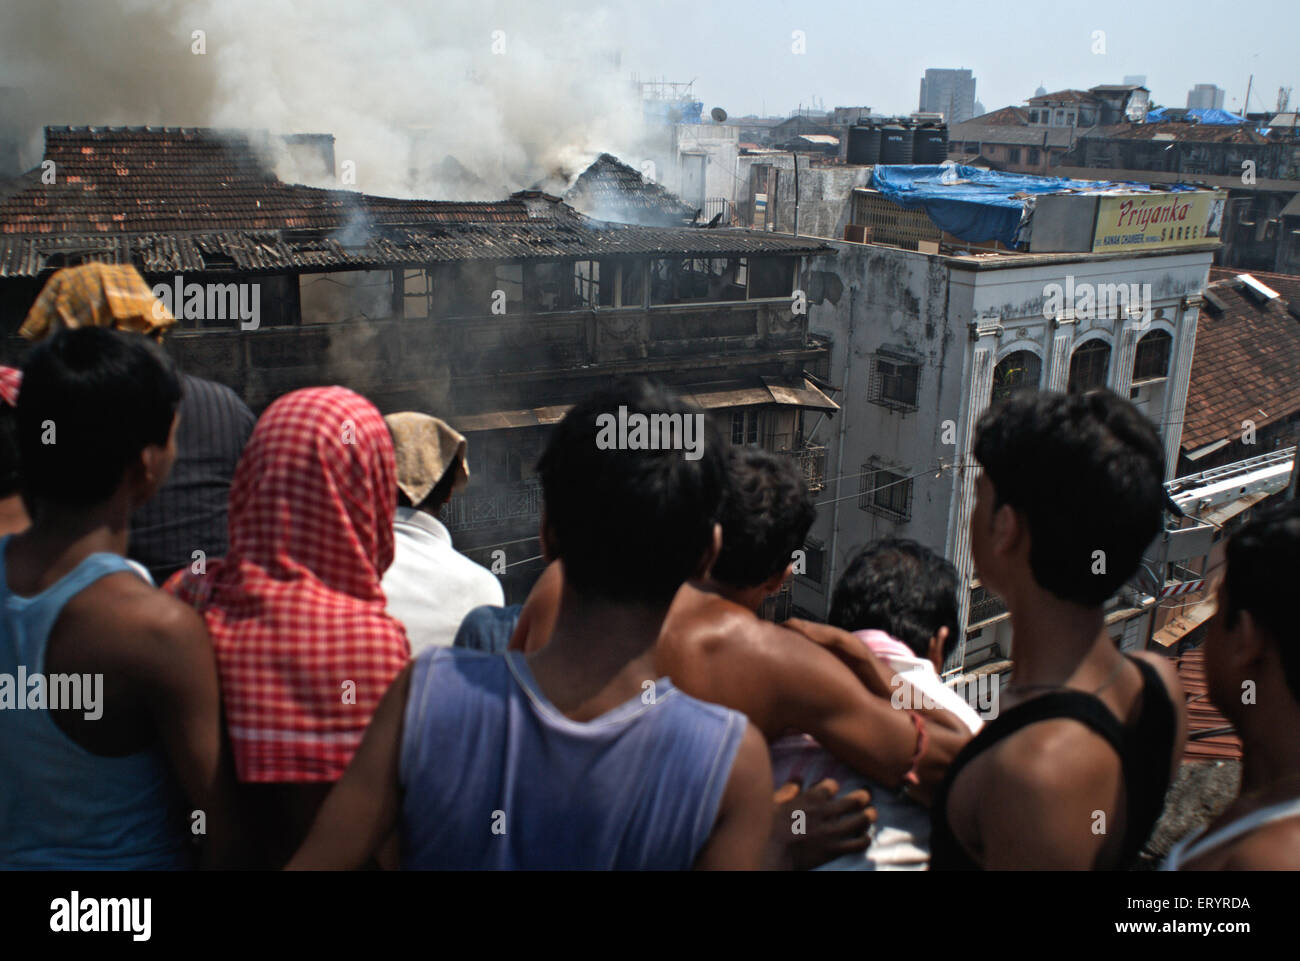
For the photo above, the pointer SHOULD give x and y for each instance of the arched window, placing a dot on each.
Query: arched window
(1152, 358)
(1019, 371)
(1089, 365)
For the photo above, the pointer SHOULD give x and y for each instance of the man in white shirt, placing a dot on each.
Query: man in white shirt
(431, 586)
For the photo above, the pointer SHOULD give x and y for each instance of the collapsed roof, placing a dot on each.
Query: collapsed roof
(196, 199)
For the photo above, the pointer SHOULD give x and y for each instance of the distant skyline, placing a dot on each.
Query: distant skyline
(739, 54)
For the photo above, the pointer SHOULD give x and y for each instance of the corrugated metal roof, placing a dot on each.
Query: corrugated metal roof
(191, 200)
(707, 396)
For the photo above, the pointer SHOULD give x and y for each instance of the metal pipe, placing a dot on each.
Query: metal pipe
(795, 156)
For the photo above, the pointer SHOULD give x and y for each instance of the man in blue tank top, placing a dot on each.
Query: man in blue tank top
(111, 749)
(579, 756)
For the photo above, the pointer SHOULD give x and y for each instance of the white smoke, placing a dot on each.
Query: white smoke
(514, 92)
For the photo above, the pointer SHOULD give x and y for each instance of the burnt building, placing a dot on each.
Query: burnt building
(611, 190)
(495, 316)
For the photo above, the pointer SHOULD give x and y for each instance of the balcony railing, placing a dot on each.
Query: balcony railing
(495, 505)
(811, 461)
(984, 607)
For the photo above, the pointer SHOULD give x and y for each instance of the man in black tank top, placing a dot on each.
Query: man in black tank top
(1073, 773)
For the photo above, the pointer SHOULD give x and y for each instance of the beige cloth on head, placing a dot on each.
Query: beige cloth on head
(426, 448)
(97, 295)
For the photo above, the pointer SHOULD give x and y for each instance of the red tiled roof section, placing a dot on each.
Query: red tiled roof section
(141, 180)
(1288, 285)
(1064, 96)
(1246, 366)
(1202, 716)
(1006, 116)
(1184, 132)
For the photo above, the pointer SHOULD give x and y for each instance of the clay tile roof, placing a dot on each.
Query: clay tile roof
(1202, 716)
(152, 179)
(1007, 116)
(1246, 364)
(1066, 96)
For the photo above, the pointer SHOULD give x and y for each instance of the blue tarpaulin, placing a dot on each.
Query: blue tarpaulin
(1202, 115)
(974, 204)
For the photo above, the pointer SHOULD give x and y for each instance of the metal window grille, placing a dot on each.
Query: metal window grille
(894, 383)
(885, 492)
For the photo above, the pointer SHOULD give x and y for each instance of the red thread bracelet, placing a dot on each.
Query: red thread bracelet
(922, 740)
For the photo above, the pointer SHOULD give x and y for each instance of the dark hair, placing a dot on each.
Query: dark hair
(91, 400)
(630, 524)
(902, 588)
(10, 477)
(765, 515)
(1262, 560)
(1087, 472)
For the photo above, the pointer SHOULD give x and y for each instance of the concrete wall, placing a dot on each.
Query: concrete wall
(825, 193)
(958, 318)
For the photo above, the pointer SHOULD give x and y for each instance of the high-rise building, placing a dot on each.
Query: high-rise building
(1135, 79)
(1205, 96)
(949, 92)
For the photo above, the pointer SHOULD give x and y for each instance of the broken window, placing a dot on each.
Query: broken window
(417, 294)
(693, 280)
(633, 292)
(593, 284)
(771, 277)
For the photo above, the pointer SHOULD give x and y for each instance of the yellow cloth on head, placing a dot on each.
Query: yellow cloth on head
(96, 295)
(426, 447)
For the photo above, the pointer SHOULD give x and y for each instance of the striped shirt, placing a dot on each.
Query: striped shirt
(189, 512)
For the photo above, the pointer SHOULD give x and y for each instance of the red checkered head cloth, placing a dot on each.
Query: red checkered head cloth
(297, 616)
(11, 378)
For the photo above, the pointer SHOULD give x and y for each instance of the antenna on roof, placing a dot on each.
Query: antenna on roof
(718, 114)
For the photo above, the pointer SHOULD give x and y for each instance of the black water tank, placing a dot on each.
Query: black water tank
(864, 144)
(895, 144)
(930, 145)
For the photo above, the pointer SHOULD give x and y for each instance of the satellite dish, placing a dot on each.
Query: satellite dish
(718, 114)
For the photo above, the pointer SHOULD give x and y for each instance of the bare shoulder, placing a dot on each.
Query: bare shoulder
(1168, 672)
(131, 621)
(1273, 847)
(1049, 757)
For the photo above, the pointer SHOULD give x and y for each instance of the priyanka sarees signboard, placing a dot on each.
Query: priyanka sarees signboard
(1157, 220)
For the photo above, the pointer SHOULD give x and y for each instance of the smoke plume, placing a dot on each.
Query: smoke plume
(511, 92)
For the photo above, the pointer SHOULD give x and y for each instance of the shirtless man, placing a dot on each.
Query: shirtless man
(1251, 648)
(715, 647)
(1073, 772)
(131, 775)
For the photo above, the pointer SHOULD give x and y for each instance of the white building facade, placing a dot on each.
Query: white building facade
(922, 344)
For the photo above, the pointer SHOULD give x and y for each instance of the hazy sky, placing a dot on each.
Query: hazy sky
(522, 92)
(874, 54)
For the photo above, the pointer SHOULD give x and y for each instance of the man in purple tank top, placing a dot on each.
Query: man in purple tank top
(580, 755)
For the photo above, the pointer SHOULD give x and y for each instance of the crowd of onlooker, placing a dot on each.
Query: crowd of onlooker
(229, 641)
